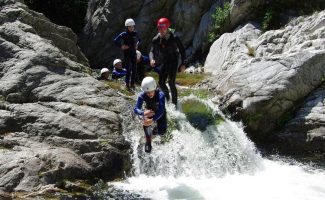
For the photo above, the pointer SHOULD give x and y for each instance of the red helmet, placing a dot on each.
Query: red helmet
(163, 23)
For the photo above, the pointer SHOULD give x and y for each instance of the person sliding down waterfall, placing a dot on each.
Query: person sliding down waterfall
(155, 110)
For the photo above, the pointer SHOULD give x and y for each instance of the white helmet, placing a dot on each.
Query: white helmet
(148, 84)
(129, 22)
(104, 70)
(117, 61)
(138, 54)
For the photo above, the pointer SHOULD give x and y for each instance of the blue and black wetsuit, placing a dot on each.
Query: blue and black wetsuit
(130, 39)
(156, 104)
(165, 51)
(118, 73)
(143, 66)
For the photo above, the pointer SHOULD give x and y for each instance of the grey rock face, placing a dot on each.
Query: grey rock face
(262, 77)
(306, 131)
(105, 19)
(56, 122)
(241, 10)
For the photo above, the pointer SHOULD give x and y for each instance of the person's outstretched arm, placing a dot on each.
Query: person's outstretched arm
(151, 56)
(152, 52)
(118, 39)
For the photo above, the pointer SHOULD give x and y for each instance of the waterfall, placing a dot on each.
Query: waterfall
(219, 162)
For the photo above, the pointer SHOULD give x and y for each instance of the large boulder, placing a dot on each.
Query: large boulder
(105, 19)
(262, 78)
(306, 131)
(56, 121)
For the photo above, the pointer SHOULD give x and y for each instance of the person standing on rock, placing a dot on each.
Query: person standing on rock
(164, 52)
(155, 110)
(128, 41)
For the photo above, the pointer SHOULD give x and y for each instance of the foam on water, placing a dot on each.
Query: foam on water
(219, 163)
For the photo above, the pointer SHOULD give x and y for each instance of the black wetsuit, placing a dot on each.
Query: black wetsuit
(141, 68)
(165, 52)
(130, 39)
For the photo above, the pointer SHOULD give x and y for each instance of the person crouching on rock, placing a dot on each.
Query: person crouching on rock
(118, 71)
(143, 65)
(104, 74)
(154, 111)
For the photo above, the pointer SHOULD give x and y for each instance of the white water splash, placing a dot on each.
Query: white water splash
(219, 163)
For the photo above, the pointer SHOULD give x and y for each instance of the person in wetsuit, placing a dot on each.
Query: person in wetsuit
(104, 74)
(118, 71)
(128, 41)
(154, 111)
(164, 52)
(143, 65)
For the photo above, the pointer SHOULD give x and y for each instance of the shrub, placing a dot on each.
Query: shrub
(271, 14)
(267, 19)
(220, 17)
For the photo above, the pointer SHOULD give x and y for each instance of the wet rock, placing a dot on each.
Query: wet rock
(56, 121)
(106, 19)
(263, 78)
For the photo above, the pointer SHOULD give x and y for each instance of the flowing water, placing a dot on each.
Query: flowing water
(217, 163)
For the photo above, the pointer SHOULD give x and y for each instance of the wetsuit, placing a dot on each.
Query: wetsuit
(165, 51)
(130, 39)
(141, 68)
(156, 104)
(118, 73)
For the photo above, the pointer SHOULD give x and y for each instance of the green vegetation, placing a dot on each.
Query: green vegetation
(272, 14)
(167, 137)
(186, 79)
(220, 18)
(103, 142)
(171, 126)
(218, 120)
(200, 93)
(154, 75)
(183, 79)
(267, 19)
(199, 115)
(119, 87)
(69, 13)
